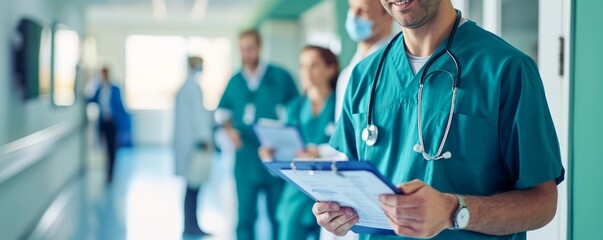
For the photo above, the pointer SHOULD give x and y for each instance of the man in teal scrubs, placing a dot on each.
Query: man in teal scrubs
(500, 178)
(258, 91)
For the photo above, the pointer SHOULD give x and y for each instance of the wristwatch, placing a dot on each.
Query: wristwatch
(462, 216)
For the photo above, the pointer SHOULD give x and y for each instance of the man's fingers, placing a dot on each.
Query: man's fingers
(334, 218)
(411, 187)
(401, 230)
(328, 220)
(321, 207)
(398, 201)
(411, 214)
(345, 227)
(339, 218)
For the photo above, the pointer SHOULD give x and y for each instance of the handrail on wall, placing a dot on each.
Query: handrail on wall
(22, 153)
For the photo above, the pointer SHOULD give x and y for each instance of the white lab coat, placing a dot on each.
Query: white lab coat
(193, 124)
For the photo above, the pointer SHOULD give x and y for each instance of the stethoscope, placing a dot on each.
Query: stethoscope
(370, 133)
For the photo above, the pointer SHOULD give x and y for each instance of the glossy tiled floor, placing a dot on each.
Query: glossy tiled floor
(145, 201)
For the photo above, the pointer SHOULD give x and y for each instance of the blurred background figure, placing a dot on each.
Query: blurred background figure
(114, 121)
(259, 91)
(370, 26)
(313, 114)
(192, 142)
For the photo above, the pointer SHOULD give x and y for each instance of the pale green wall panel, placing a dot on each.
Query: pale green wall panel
(587, 121)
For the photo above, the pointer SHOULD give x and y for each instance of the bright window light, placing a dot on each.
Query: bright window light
(216, 54)
(156, 68)
(66, 61)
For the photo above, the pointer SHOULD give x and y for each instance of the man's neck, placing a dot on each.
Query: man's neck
(318, 94)
(253, 68)
(425, 40)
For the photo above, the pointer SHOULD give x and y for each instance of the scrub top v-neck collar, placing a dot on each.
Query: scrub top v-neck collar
(399, 58)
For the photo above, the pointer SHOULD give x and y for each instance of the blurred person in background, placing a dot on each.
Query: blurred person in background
(259, 91)
(192, 142)
(368, 24)
(313, 114)
(114, 121)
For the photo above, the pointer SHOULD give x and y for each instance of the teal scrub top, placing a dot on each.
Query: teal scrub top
(276, 89)
(314, 129)
(295, 207)
(502, 136)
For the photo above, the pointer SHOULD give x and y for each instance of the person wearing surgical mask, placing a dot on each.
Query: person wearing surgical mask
(192, 142)
(312, 114)
(370, 26)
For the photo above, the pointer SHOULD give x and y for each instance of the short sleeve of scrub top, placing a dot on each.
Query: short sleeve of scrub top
(528, 141)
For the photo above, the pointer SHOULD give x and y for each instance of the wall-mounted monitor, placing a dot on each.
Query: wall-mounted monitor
(32, 58)
(66, 58)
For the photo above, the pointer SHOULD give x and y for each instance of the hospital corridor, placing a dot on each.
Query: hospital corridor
(301, 120)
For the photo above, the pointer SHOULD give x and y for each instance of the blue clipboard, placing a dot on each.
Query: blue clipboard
(336, 168)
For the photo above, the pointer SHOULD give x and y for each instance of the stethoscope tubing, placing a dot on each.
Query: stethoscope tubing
(456, 84)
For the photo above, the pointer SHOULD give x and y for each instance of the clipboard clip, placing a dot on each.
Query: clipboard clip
(312, 171)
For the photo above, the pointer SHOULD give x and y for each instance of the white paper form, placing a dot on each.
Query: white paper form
(286, 141)
(359, 190)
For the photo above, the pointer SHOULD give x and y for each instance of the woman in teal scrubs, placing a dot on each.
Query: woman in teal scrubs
(313, 114)
(502, 142)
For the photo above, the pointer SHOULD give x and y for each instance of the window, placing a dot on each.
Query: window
(156, 67)
(217, 61)
(66, 59)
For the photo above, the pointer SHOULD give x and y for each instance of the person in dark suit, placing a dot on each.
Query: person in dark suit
(113, 117)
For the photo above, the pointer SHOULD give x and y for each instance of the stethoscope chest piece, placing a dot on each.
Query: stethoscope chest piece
(370, 134)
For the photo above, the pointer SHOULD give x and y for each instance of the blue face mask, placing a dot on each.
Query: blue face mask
(359, 29)
(195, 72)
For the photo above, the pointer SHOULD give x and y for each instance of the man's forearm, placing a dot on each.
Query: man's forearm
(514, 211)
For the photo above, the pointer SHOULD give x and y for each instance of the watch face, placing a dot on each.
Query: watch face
(462, 218)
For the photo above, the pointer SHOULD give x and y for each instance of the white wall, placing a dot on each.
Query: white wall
(24, 197)
(282, 42)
